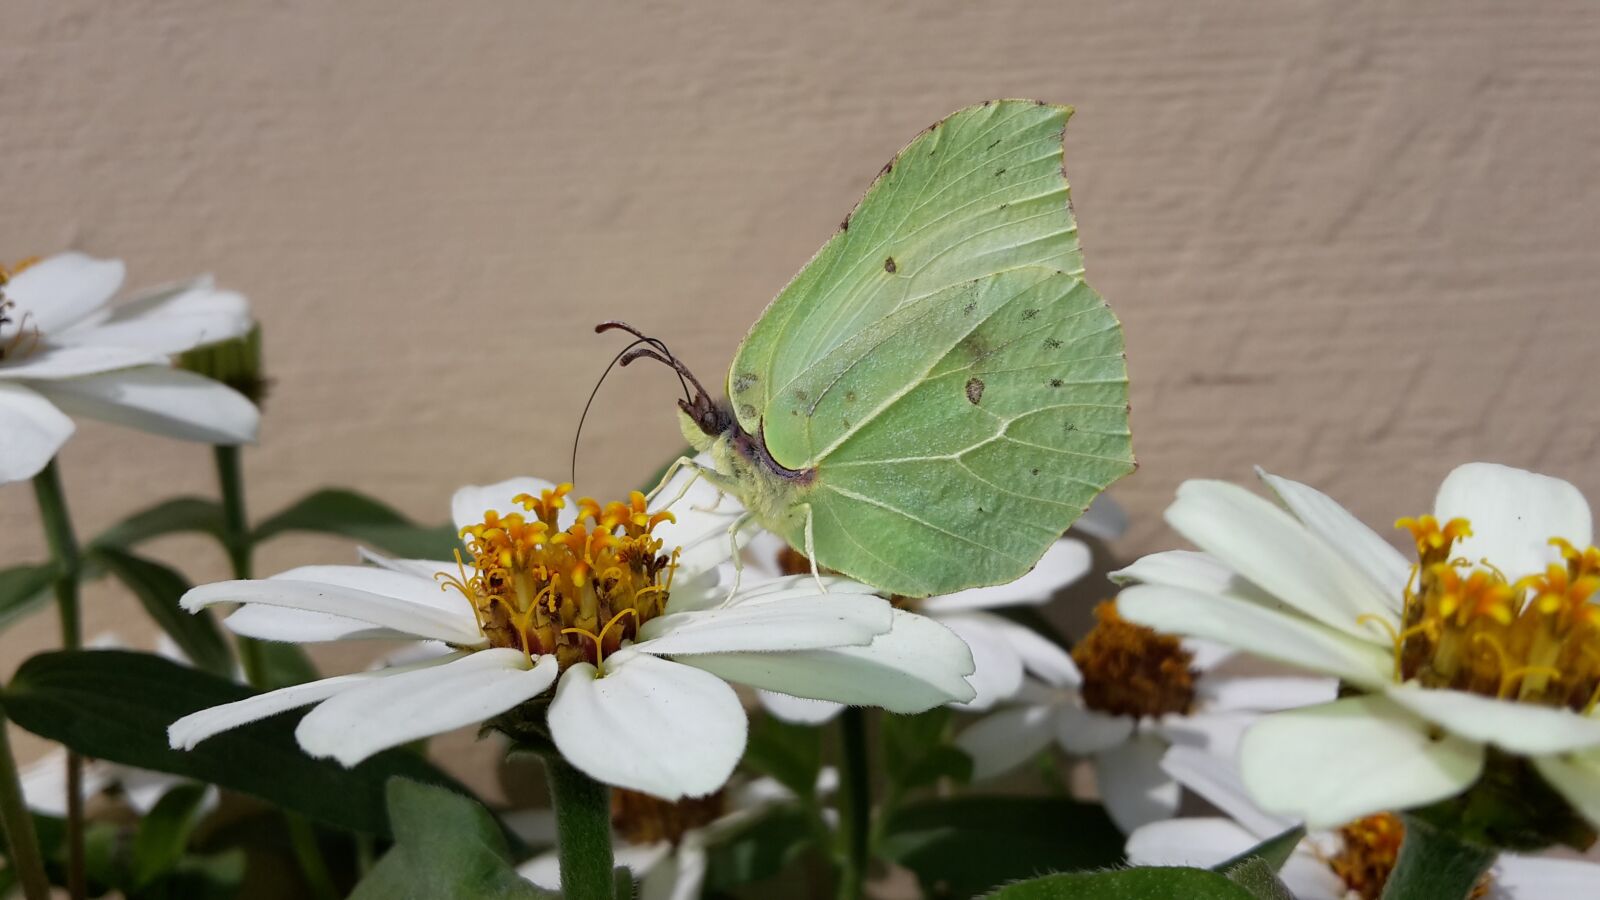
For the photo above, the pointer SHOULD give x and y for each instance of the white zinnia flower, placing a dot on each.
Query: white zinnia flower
(64, 350)
(1491, 639)
(1003, 652)
(1349, 863)
(663, 844)
(1121, 699)
(620, 602)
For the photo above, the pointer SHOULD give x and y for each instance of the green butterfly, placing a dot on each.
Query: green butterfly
(938, 394)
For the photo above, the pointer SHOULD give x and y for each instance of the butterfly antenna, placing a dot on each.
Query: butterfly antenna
(590, 402)
(659, 344)
(699, 407)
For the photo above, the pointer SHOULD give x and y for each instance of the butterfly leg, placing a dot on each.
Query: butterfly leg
(811, 549)
(737, 557)
(666, 478)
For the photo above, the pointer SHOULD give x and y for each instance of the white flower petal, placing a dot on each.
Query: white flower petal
(1133, 786)
(1005, 740)
(1042, 657)
(1264, 694)
(1540, 878)
(680, 874)
(167, 320)
(1215, 778)
(801, 621)
(190, 730)
(53, 362)
(703, 516)
(536, 827)
(544, 870)
(649, 725)
(1081, 731)
(1105, 519)
(419, 568)
(1519, 727)
(1285, 637)
(761, 554)
(402, 586)
(395, 709)
(298, 626)
(1345, 533)
(469, 504)
(65, 288)
(997, 667)
(1340, 761)
(1199, 843)
(163, 401)
(1514, 514)
(917, 665)
(381, 610)
(1213, 732)
(798, 710)
(1065, 562)
(1271, 549)
(1577, 777)
(31, 431)
(1180, 568)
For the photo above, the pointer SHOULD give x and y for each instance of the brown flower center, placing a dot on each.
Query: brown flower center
(1368, 850)
(1465, 626)
(1131, 670)
(643, 819)
(577, 593)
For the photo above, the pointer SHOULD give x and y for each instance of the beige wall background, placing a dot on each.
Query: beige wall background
(1354, 242)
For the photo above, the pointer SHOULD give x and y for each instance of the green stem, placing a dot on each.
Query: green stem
(16, 825)
(240, 545)
(855, 799)
(1435, 865)
(583, 831)
(63, 542)
(303, 839)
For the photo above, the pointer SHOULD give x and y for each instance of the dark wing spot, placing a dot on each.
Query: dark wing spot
(801, 395)
(744, 381)
(974, 390)
(849, 396)
(887, 168)
(1052, 344)
(971, 305)
(1029, 313)
(1071, 426)
(1055, 382)
(746, 411)
(888, 265)
(845, 225)
(1034, 472)
(1002, 206)
(995, 144)
(999, 172)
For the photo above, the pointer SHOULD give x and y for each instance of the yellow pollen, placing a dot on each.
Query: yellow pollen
(1131, 670)
(1465, 625)
(578, 593)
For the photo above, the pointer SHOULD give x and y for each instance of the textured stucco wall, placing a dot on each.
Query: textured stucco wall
(1352, 241)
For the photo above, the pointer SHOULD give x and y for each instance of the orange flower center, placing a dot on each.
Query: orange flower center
(1131, 670)
(21, 339)
(643, 819)
(1367, 855)
(577, 593)
(1466, 627)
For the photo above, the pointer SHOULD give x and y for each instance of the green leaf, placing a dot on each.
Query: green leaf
(284, 664)
(24, 589)
(1127, 884)
(445, 846)
(1258, 877)
(963, 846)
(164, 833)
(180, 514)
(359, 517)
(1274, 851)
(115, 705)
(916, 753)
(760, 850)
(790, 753)
(159, 589)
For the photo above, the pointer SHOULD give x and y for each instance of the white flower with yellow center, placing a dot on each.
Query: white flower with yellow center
(1351, 862)
(1487, 648)
(1121, 699)
(617, 605)
(63, 350)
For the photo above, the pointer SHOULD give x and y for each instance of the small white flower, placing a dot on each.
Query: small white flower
(1491, 639)
(1121, 699)
(1002, 651)
(1348, 863)
(621, 602)
(664, 845)
(64, 350)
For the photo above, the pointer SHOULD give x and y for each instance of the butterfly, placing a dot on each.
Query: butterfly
(938, 394)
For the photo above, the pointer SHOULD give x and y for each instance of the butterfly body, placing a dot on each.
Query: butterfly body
(938, 394)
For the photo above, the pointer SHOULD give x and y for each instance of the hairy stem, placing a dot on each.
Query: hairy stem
(63, 542)
(1435, 865)
(855, 802)
(583, 831)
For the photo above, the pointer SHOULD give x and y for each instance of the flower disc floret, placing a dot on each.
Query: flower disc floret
(578, 592)
(1131, 670)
